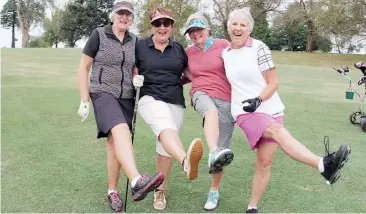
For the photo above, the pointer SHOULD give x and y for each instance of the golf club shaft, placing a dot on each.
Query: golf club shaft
(137, 98)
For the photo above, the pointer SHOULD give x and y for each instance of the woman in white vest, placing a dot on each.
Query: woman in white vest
(259, 111)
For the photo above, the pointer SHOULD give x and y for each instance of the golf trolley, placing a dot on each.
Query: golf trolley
(358, 117)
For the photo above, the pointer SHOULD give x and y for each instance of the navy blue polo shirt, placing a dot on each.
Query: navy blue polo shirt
(162, 70)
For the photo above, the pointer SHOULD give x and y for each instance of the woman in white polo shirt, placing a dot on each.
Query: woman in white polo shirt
(259, 111)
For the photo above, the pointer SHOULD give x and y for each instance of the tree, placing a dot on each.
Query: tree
(261, 30)
(52, 34)
(81, 17)
(322, 43)
(222, 9)
(290, 32)
(30, 12)
(8, 18)
(289, 35)
(343, 20)
(217, 31)
(38, 42)
(73, 23)
(308, 13)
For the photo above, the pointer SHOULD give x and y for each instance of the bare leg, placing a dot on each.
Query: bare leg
(216, 181)
(291, 146)
(211, 128)
(124, 150)
(263, 163)
(172, 144)
(113, 166)
(163, 164)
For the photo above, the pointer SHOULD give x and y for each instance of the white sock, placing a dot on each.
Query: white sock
(214, 191)
(111, 190)
(321, 165)
(134, 181)
(252, 207)
(211, 150)
(185, 165)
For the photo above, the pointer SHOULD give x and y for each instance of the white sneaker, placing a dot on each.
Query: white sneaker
(212, 201)
(159, 200)
(194, 155)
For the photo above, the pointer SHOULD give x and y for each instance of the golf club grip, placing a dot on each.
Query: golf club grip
(137, 98)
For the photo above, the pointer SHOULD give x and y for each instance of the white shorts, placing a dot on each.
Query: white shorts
(160, 115)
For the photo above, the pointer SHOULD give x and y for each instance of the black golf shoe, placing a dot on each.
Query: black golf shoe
(333, 162)
(253, 210)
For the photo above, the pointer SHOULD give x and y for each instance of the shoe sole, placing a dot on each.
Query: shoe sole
(195, 152)
(163, 208)
(151, 186)
(212, 208)
(344, 159)
(118, 210)
(159, 208)
(223, 160)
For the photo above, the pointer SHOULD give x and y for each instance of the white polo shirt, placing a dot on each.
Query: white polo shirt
(244, 69)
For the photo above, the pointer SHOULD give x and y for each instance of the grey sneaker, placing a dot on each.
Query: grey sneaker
(212, 201)
(115, 202)
(145, 185)
(218, 159)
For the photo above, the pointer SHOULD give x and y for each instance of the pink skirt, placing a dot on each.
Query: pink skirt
(255, 124)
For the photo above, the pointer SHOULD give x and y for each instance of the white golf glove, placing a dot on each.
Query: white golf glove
(138, 81)
(83, 110)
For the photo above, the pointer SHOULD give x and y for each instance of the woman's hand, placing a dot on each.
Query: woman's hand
(250, 105)
(138, 81)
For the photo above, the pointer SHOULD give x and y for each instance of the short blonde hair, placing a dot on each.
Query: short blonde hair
(243, 13)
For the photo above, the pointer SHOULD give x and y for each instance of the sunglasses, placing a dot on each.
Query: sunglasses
(124, 12)
(193, 29)
(158, 23)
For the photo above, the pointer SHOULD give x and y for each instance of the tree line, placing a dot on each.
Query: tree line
(302, 25)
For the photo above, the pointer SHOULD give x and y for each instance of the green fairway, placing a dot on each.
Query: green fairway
(51, 162)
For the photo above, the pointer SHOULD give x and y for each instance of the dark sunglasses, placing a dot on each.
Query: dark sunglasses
(124, 12)
(194, 29)
(158, 23)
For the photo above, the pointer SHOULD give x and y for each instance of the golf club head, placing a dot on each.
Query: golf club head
(362, 80)
(345, 69)
(362, 66)
(338, 70)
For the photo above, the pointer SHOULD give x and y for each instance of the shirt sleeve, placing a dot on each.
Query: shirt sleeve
(92, 45)
(137, 64)
(265, 61)
(185, 57)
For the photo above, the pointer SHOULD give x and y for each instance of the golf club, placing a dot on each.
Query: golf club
(133, 134)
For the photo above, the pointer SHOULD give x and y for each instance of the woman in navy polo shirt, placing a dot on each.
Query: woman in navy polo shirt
(161, 63)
